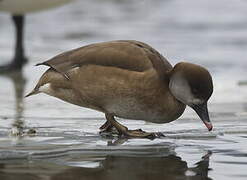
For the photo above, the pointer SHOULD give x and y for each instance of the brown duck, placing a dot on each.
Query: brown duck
(127, 79)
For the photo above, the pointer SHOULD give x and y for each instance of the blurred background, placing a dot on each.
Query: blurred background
(210, 33)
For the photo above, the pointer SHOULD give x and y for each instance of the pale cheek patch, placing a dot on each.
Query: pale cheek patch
(180, 89)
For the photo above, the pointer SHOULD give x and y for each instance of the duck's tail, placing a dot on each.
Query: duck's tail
(33, 92)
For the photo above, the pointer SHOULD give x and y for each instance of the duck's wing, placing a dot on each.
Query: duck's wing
(129, 55)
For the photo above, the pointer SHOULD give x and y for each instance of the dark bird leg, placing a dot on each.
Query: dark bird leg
(106, 127)
(122, 130)
(19, 58)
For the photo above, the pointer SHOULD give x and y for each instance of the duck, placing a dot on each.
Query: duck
(18, 9)
(127, 79)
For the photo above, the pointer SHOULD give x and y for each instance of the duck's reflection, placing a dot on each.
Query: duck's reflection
(111, 167)
(19, 83)
(145, 168)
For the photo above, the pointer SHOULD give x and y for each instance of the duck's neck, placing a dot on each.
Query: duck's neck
(161, 97)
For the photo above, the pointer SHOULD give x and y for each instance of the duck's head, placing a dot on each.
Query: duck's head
(192, 85)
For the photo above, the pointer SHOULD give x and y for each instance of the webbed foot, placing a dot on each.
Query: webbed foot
(124, 131)
(142, 134)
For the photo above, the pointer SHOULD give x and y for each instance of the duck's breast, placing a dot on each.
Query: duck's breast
(126, 94)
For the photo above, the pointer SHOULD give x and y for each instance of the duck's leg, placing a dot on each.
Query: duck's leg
(107, 127)
(130, 133)
(19, 59)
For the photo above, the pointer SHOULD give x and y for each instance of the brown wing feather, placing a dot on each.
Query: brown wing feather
(130, 55)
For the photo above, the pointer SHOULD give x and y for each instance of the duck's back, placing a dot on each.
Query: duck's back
(125, 54)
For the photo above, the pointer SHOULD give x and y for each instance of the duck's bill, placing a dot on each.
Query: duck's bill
(202, 111)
